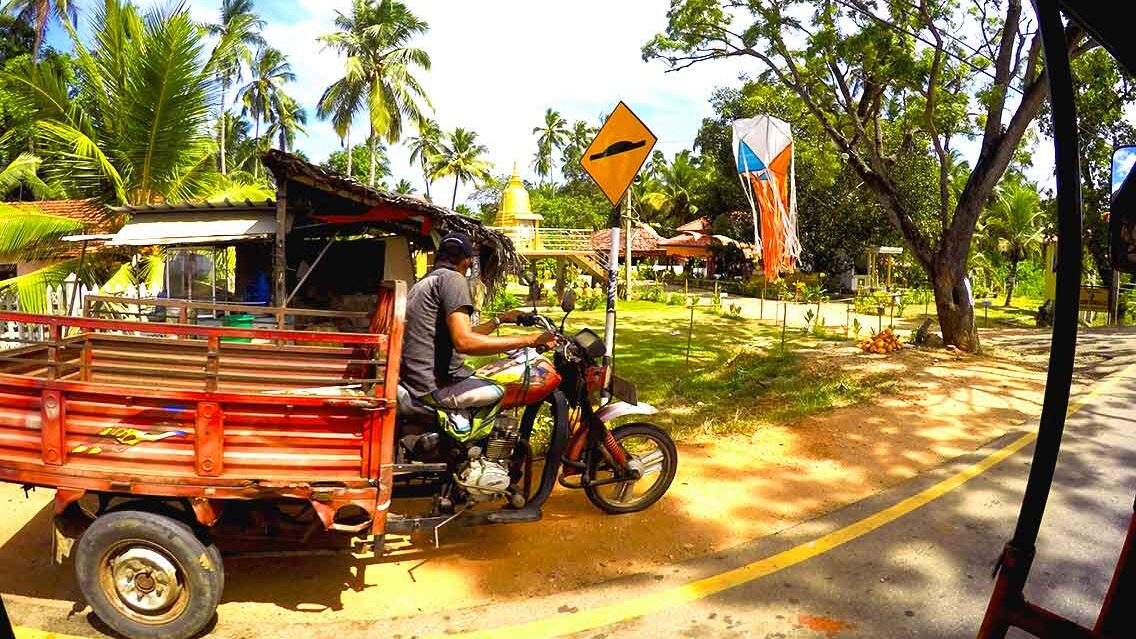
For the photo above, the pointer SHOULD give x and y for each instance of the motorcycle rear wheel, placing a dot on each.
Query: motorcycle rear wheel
(650, 447)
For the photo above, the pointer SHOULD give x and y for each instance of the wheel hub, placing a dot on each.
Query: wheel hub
(146, 580)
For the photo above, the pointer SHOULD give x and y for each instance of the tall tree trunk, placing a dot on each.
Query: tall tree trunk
(955, 308)
(221, 132)
(426, 177)
(454, 201)
(371, 152)
(256, 160)
(349, 153)
(1012, 280)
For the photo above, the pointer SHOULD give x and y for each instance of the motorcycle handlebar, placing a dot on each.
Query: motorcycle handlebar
(533, 319)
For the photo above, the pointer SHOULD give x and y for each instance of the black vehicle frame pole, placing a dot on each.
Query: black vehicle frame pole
(1007, 603)
(609, 317)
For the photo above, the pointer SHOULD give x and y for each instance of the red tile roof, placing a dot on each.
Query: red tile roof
(701, 225)
(97, 217)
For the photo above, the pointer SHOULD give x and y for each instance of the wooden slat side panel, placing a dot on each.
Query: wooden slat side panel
(21, 436)
(120, 435)
(297, 442)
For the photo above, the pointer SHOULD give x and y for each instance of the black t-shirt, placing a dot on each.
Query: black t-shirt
(429, 360)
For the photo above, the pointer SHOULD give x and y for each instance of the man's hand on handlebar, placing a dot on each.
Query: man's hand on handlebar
(543, 341)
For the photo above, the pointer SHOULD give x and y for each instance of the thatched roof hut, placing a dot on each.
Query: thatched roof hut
(316, 202)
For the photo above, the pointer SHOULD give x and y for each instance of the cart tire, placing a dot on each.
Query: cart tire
(147, 576)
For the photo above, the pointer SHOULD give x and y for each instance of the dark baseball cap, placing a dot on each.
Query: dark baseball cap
(458, 241)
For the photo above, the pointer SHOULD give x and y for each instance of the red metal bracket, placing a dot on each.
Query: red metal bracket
(51, 427)
(208, 439)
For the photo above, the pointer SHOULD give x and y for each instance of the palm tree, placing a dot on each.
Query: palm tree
(425, 148)
(340, 102)
(552, 134)
(405, 187)
(288, 119)
(579, 137)
(238, 34)
(261, 97)
(378, 69)
(1015, 222)
(240, 148)
(135, 131)
(672, 187)
(461, 157)
(38, 13)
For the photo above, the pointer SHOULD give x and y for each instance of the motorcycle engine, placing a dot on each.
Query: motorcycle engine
(487, 475)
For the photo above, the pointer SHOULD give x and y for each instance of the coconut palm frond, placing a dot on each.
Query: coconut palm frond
(78, 165)
(240, 191)
(168, 106)
(22, 172)
(31, 288)
(141, 270)
(24, 235)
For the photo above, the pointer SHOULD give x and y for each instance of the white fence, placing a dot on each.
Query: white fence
(62, 300)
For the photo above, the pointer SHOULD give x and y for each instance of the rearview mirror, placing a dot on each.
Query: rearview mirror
(1122, 160)
(1122, 213)
(568, 302)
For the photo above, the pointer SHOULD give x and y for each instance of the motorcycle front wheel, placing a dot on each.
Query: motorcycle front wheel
(652, 452)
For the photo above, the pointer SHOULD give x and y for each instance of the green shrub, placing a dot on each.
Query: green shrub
(734, 311)
(502, 300)
(675, 299)
(589, 299)
(652, 293)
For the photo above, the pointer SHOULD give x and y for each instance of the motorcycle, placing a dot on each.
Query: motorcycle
(624, 469)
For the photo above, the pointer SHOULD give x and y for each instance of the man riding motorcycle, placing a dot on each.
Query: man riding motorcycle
(439, 329)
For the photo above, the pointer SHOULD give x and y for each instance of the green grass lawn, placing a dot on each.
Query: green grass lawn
(737, 377)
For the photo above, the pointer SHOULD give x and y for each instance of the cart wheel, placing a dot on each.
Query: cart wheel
(148, 576)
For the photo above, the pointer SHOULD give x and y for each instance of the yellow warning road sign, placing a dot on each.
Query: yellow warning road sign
(618, 152)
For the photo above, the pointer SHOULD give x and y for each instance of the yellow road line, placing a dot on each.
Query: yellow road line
(32, 633)
(609, 614)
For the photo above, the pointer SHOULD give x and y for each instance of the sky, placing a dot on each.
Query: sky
(498, 64)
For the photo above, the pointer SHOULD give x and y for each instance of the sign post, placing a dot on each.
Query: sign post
(612, 160)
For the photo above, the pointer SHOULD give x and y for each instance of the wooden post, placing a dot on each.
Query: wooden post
(212, 363)
(690, 331)
(55, 332)
(1114, 299)
(784, 324)
(279, 260)
(561, 277)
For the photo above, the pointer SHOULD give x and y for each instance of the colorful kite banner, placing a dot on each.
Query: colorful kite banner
(763, 148)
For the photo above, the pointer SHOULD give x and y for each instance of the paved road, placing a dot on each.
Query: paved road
(927, 574)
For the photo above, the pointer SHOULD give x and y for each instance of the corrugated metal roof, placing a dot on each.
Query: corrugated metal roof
(194, 228)
(188, 207)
